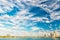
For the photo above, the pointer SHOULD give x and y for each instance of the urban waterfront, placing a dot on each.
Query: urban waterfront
(29, 38)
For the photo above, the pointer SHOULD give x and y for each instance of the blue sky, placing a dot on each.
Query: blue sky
(29, 17)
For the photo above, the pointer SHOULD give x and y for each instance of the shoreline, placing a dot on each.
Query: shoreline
(25, 37)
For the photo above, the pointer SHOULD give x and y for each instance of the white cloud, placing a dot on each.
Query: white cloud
(1, 25)
(35, 28)
(55, 16)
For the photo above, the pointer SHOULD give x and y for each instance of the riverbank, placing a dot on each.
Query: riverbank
(30, 38)
(25, 37)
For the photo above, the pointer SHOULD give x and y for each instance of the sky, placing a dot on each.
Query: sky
(29, 16)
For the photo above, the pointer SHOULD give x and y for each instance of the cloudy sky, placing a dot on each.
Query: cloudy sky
(25, 16)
